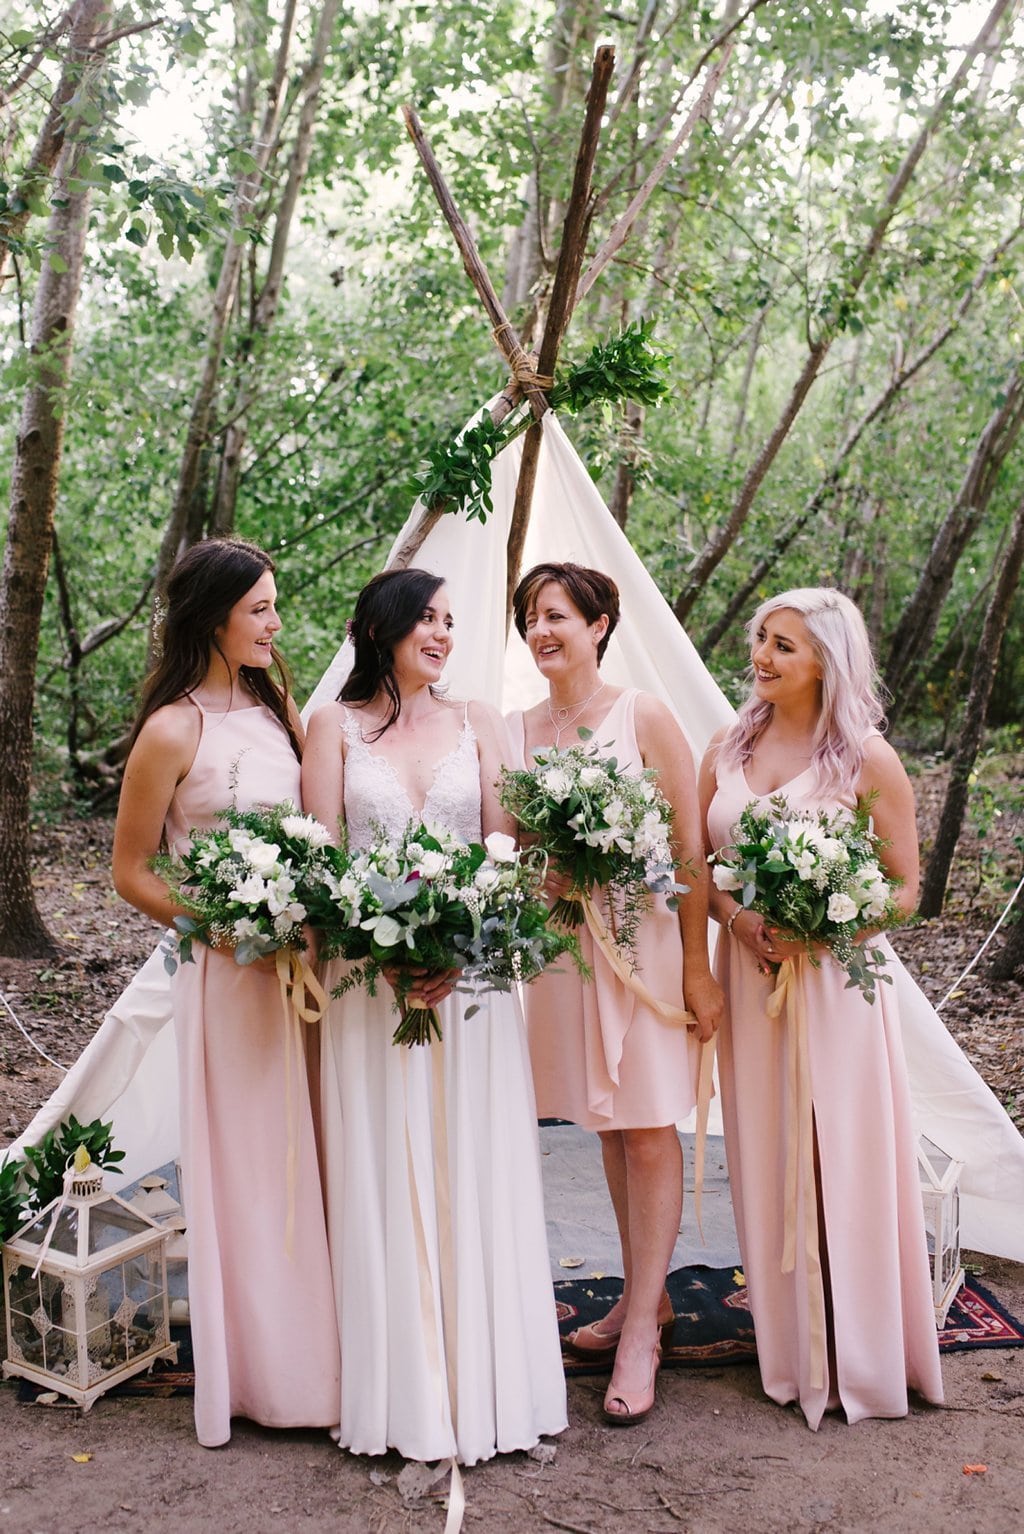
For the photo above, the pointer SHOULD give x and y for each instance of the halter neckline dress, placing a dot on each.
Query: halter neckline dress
(264, 1332)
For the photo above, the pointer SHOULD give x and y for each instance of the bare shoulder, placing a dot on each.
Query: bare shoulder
(650, 711)
(173, 728)
(883, 775)
(657, 725)
(327, 716)
(487, 721)
(713, 747)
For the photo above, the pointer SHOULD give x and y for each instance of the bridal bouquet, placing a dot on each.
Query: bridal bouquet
(601, 827)
(248, 883)
(427, 900)
(816, 875)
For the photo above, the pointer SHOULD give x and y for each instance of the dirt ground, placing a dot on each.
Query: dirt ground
(714, 1457)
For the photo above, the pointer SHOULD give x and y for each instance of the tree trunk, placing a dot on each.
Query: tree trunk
(34, 482)
(225, 498)
(982, 677)
(188, 511)
(720, 542)
(913, 632)
(903, 374)
(1008, 963)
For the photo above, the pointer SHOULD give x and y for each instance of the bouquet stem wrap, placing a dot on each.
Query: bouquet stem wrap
(788, 1001)
(303, 1000)
(439, 1330)
(602, 936)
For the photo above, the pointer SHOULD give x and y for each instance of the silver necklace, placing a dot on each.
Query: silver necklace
(560, 716)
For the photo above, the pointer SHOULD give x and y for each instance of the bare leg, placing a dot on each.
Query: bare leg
(613, 1153)
(654, 1193)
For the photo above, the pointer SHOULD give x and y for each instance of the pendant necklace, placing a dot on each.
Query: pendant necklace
(559, 717)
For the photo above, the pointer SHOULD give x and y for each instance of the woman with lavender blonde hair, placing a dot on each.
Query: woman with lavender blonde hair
(843, 1316)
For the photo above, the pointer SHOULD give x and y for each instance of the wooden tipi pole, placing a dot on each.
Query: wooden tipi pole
(563, 294)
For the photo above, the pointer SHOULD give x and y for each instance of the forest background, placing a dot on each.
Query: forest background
(229, 303)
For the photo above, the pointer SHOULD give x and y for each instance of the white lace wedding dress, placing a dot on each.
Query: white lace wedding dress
(435, 1213)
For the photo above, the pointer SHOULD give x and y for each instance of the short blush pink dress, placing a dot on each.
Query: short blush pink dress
(600, 1057)
(872, 1241)
(264, 1330)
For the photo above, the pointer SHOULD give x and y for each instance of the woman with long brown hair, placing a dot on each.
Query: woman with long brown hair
(217, 727)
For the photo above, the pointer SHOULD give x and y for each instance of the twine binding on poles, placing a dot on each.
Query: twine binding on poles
(788, 1002)
(303, 1000)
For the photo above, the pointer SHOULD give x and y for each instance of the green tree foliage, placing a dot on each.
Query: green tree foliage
(742, 260)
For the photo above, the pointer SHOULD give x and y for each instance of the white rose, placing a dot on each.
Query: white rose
(431, 864)
(304, 828)
(262, 856)
(557, 783)
(841, 908)
(725, 878)
(835, 850)
(240, 840)
(486, 878)
(590, 777)
(500, 847)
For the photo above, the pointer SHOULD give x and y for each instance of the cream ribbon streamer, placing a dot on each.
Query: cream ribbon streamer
(303, 1000)
(603, 938)
(439, 1333)
(788, 1000)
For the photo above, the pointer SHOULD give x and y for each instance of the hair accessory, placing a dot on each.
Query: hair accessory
(350, 628)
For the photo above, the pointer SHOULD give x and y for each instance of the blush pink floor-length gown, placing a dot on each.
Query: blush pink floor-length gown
(264, 1332)
(881, 1320)
(600, 1057)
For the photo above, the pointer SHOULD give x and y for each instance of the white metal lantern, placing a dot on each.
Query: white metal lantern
(85, 1284)
(940, 1190)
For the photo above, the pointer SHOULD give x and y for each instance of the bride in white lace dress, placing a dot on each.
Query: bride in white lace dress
(449, 1341)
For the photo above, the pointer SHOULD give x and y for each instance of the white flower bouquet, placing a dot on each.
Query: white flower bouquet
(816, 876)
(427, 900)
(602, 827)
(247, 883)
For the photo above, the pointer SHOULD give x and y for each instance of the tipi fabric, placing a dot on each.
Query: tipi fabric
(128, 1070)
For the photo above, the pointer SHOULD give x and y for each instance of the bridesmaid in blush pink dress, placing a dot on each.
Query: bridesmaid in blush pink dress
(851, 1326)
(216, 728)
(601, 1056)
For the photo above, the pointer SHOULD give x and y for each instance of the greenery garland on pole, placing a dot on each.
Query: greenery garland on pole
(457, 476)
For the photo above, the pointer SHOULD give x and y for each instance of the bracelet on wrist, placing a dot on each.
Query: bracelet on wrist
(730, 923)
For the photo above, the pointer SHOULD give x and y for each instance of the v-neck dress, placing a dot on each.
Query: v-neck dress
(600, 1056)
(446, 1310)
(881, 1321)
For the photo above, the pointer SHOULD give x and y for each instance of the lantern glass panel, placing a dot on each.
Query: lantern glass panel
(110, 1223)
(65, 1232)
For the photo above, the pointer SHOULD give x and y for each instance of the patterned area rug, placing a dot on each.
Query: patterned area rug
(713, 1327)
(713, 1324)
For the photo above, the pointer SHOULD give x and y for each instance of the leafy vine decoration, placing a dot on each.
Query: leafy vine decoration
(457, 475)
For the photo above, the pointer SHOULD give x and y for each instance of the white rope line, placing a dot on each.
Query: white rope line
(22, 1029)
(1006, 911)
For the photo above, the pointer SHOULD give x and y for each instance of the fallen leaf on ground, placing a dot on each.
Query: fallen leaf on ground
(975, 1469)
(81, 1459)
(570, 1262)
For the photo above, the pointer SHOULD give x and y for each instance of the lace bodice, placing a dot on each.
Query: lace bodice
(374, 797)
